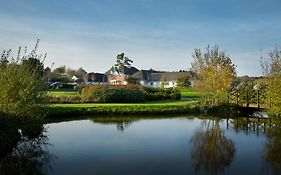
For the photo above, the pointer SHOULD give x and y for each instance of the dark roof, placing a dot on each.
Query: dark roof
(128, 70)
(124, 70)
(170, 76)
(148, 75)
(97, 77)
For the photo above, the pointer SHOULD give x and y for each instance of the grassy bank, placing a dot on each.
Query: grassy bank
(163, 107)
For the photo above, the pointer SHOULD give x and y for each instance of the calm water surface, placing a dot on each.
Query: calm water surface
(182, 145)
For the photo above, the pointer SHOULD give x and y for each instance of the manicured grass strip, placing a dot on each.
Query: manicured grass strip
(189, 93)
(62, 93)
(63, 110)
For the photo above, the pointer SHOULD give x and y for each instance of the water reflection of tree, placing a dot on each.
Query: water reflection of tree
(273, 149)
(248, 127)
(212, 151)
(31, 157)
(272, 134)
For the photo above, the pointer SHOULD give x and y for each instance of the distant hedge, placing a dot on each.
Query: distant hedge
(125, 94)
(154, 94)
(64, 99)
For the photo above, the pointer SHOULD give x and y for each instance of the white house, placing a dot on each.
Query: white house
(157, 79)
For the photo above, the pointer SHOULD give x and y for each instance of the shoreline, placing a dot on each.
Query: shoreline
(92, 109)
(119, 109)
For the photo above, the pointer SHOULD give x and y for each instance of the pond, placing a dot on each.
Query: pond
(140, 146)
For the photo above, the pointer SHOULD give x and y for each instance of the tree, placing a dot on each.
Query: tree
(34, 64)
(246, 91)
(59, 71)
(59, 74)
(121, 62)
(183, 82)
(22, 85)
(132, 80)
(70, 73)
(216, 72)
(81, 74)
(47, 75)
(271, 66)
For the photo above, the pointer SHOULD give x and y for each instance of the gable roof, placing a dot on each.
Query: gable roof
(171, 76)
(148, 75)
(128, 70)
(97, 77)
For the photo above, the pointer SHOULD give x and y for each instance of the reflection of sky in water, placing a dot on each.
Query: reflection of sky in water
(147, 146)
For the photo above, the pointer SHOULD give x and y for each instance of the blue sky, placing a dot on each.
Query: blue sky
(158, 34)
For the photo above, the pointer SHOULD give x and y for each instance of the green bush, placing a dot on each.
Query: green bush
(66, 86)
(112, 94)
(64, 99)
(22, 85)
(154, 94)
(126, 94)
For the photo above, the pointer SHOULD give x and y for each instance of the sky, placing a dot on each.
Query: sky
(157, 34)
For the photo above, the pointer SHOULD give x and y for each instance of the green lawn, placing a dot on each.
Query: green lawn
(62, 93)
(189, 93)
(154, 103)
(154, 107)
(185, 92)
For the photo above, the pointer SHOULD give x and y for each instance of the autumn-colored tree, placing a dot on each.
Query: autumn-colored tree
(215, 72)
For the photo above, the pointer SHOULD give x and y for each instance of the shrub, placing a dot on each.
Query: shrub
(153, 94)
(126, 94)
(112, 94)
(66, 86)
(64, 99)
(22, 85)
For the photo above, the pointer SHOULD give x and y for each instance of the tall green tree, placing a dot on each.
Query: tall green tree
(121, 62)
(216, 72)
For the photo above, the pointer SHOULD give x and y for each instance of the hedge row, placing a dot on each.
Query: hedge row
(126, 94)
